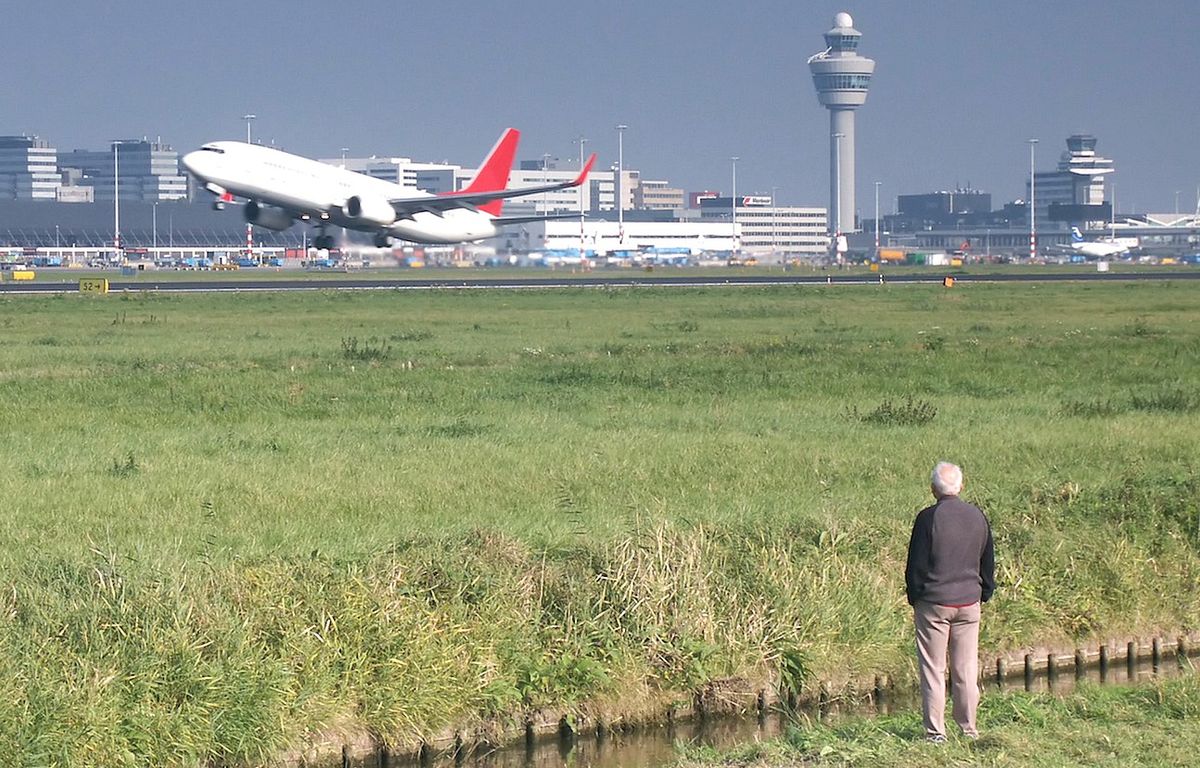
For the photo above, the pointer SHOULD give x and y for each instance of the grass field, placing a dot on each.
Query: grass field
(1153, 725)
(236, 523)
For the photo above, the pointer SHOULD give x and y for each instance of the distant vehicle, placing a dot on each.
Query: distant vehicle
(280, 188)
(246, 261)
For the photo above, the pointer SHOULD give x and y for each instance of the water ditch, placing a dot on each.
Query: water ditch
(1054, 671)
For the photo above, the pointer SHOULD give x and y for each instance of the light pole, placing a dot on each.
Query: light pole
(154, 225)
(116, 201)
(621, 185)
(581, 141)
(877, 219)
(545, 180)
(837, 195)
(249, 228)
(774, 222)
(344, 151)
(733, 207)
(1032, 204)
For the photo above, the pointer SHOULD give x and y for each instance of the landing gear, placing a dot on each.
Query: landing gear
(218, 205)
(323, 242)
(384, 240)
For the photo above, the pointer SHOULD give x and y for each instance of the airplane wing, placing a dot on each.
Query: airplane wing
(408, 206)
(505, 220)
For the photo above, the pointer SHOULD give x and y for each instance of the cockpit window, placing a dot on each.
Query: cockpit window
(218, 150)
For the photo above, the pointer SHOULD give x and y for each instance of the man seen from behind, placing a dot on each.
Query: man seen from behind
(950, 572)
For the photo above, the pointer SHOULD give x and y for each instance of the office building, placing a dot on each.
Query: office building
(764, 229)
(28, 169)
(144, 171)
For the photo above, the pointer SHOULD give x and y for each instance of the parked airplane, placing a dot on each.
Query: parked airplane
(1101, 249)
(281, 188)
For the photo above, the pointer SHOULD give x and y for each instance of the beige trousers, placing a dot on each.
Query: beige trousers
(938, 628)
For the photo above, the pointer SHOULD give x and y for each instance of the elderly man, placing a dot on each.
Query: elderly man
(950, 572)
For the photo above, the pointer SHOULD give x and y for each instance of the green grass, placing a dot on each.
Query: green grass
(1152, 725)
(237, 522)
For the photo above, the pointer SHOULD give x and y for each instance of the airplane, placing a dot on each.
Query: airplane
(281, 188)
(1101, 249)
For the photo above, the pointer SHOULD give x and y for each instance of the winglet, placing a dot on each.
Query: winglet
(493, 172)
(587, 168)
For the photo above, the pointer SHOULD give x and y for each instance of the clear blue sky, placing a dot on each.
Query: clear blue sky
(959, 86)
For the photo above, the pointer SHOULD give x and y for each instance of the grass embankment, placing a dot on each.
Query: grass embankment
(1152, 725)
(236, 522)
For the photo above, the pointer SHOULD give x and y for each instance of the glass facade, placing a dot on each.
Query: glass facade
(827, 82)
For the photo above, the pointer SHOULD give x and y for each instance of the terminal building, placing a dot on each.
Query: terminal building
(28, 169)
(135, 169)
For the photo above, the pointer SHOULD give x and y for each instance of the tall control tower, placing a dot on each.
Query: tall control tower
(842, 78)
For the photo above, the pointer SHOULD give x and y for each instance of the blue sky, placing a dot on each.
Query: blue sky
(959, 86)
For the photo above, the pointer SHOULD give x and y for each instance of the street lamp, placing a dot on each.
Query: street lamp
(545, 180)
(837, 194)
(248, 118)
(877, 219)
(774, 221)
(733, 207)
(581, 141)
(116, 201)
(1032, 204)
(621, 185)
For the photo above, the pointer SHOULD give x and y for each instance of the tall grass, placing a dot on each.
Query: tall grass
(239, 524)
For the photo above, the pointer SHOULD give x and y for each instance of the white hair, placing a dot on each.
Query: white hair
(946, 479)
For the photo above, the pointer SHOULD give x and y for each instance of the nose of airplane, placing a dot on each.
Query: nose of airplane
(193, 161)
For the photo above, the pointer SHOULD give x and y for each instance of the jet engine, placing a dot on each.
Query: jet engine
(267, 216)
(370, 210)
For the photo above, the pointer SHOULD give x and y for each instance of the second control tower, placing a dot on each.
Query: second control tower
(842, 78)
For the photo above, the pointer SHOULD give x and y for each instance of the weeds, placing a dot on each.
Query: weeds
(124, 467)
(910, 413)
(369, 350)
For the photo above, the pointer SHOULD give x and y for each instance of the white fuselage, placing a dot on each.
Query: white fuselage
(1100, 249)
(319, 192)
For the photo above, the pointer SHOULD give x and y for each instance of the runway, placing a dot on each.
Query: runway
(613, 280)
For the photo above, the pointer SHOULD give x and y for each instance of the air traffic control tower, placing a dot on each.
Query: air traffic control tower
(842, 78)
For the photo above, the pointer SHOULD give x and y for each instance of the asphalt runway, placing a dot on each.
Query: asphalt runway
(607, 280)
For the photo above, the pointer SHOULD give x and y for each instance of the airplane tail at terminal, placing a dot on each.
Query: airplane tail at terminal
(493, 172)
(1076, 235)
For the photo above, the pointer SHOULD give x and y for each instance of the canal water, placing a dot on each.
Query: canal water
(655, 746)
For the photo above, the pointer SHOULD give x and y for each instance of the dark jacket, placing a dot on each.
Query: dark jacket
(950, 555)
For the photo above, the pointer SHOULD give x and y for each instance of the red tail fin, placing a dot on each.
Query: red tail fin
(493, 173)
